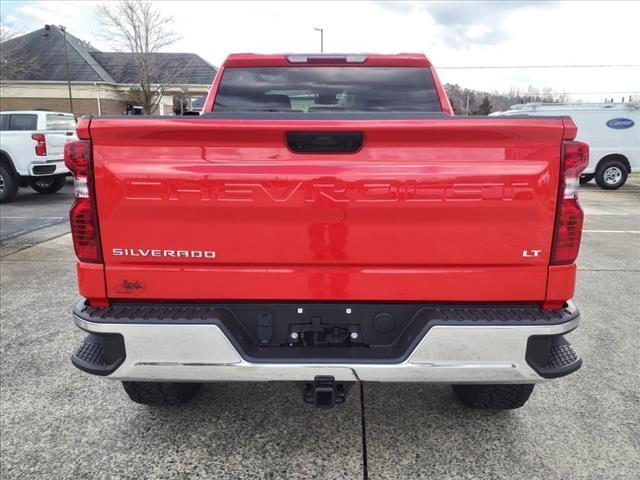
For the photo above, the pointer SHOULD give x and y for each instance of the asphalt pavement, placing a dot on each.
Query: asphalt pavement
(57, 422)
(33, 218)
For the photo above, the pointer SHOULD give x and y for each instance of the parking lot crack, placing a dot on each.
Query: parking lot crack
(365, 468)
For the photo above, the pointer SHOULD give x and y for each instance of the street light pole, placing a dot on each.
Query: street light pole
(321, 30)
(66, 60)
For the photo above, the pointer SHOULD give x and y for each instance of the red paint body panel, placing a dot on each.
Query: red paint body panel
(442, 94)
(438, 209)
(372, 60)
(561, 283)
(456, 209)
(482, 284)
(82, 128)
(91, 281)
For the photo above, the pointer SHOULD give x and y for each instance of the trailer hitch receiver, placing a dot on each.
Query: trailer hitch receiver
(324, 392)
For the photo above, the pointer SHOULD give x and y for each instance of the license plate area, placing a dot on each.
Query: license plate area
(321, 334)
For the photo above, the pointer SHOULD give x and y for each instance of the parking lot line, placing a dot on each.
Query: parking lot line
(610, 231)
(33, 228)
(617, 204)
(47, 218)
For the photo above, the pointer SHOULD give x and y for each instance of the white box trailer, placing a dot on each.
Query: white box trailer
(612, 131)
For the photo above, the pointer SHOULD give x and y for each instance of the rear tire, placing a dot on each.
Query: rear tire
(161, 393)
(493, 397)
(48, 185)
(586, 178)
(8, 185)
(611, 174)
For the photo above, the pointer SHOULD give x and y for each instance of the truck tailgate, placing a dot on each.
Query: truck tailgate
(433, 209)
(56, 141)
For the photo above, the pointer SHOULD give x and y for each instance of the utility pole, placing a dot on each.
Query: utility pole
(66, 60)
(321, 30)
(95, 84)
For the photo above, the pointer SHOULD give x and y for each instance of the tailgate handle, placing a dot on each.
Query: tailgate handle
(324, 142)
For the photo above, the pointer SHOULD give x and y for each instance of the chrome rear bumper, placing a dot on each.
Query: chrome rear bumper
(446, 353)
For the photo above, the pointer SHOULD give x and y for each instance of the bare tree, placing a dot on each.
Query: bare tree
(14, 63)
(7, 32)
(138, 28)
(482, 103)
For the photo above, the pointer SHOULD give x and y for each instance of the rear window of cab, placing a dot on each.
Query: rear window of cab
(60, 122)
(327, 89)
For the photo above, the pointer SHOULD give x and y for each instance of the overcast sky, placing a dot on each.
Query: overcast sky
(451, 34)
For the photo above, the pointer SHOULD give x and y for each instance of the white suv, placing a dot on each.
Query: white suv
(32, 151)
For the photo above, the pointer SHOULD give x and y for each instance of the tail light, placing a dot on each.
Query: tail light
(41, 145)
(570, 218)
(83, 216)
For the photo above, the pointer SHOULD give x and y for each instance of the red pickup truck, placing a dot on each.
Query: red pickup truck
(327, 220)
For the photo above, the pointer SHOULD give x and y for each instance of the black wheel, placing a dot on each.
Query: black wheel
(8, 185)
(161, 393)
(611, 174)
(493, 397)
(586, 178)
(50, 184)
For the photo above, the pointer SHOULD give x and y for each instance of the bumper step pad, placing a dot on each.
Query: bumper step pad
(90, 353)
(99, 354)
(561, 356)
(552, 356)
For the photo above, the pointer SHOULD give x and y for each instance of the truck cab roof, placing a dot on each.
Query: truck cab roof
(364, 59)
(35, 112)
